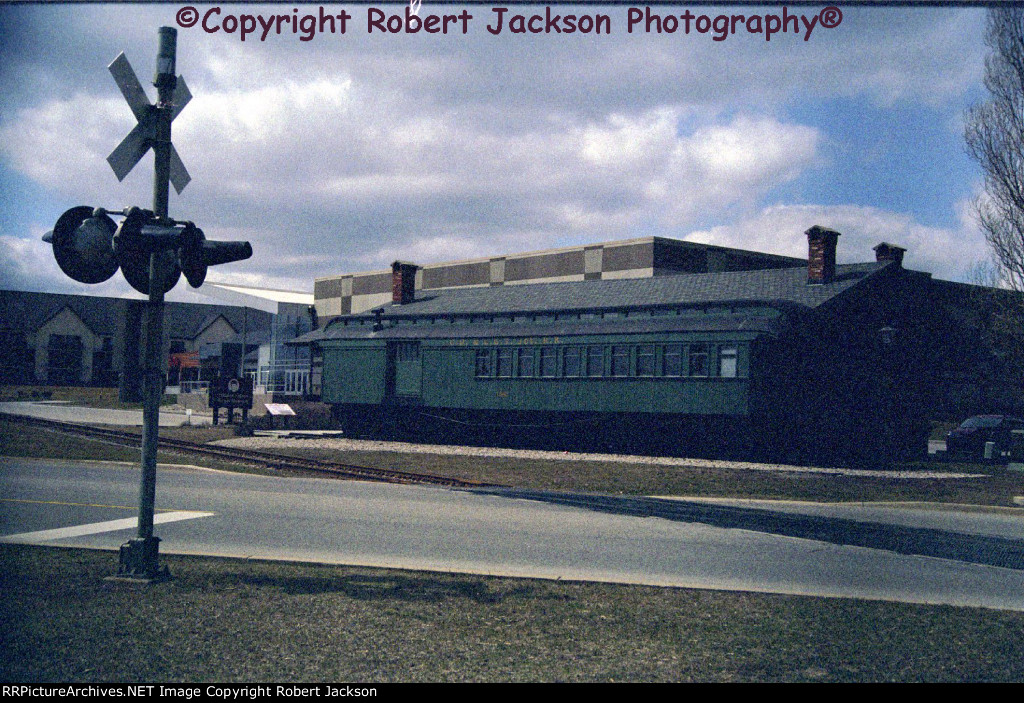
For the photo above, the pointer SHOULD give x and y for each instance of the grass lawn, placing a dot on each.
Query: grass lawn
(236, 620)
(997, 487)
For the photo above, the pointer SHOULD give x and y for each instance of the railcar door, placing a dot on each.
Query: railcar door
(405, 371)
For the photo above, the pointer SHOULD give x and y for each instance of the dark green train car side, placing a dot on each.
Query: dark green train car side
(599, 390)
(618, 374)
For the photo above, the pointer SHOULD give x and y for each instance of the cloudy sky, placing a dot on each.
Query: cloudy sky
(345, 152)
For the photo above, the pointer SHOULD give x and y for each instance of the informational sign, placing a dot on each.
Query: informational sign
(279, 409)
(231, 392)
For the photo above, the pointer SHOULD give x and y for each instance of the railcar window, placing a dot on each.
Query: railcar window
(549, 362)
(727, 362)
(672, 362)
(572, 361)
(620, 360)
(483, 363)
(407, 351)
(698, 360)
(526, 361)
(666, 360)
(595, 361)
(504, 362)
(645, 360)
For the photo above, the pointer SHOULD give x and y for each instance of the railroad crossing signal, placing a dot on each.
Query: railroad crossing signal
(152, 250)
(148, 244)
(141, 139)
(90, 248)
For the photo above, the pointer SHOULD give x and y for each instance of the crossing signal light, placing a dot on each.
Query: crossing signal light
(196, 254)
(81, 242)
(137, 237)
(90, 248)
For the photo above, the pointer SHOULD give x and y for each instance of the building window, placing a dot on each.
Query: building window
(572, 361)
(549, 362)
(672, 362)
(698, 360)
(620, 360)
(483, 363)
(727, 362)
(645, 360)
(504, 362)
(595, 361)
(526, 362)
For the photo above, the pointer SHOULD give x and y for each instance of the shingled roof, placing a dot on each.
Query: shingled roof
(777, 287)
(28, 311)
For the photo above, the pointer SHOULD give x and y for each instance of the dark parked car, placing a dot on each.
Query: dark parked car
(970, 437)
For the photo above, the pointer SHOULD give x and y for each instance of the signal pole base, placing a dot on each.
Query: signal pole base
(139, 561)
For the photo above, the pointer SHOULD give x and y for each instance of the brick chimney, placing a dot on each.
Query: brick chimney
(821, 255)
(403, 282)
(890, 252)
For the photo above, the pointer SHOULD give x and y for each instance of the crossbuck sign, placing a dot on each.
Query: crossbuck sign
(141, 139)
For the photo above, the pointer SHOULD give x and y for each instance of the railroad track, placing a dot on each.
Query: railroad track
(249, 456)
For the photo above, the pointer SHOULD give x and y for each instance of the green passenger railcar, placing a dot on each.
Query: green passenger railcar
(679, 374)
(763, 361)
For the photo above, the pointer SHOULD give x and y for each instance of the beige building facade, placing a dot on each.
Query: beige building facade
(644, 257)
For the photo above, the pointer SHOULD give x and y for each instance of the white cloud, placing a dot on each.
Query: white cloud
(947, 253)
(344, 153)
(63, 143)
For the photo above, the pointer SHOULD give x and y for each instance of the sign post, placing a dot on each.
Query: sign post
(231, 392)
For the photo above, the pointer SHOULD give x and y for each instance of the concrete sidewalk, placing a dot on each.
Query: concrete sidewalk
(56, 410)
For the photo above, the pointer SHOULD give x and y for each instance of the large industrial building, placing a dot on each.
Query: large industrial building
(682, 346)
(631, 258)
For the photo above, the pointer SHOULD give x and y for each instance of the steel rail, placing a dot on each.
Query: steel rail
(251, 456)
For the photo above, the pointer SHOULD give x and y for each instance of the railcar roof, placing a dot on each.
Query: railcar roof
(776, 287)
(745, 324)
(771, 285)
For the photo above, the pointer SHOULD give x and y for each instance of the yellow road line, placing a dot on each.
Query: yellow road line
(80, 505)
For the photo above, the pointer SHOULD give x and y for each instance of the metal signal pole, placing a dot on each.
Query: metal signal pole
(140, 556)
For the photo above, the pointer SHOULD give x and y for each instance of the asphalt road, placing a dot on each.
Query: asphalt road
(207, 512)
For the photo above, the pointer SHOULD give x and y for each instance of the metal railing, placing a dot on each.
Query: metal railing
(282, 379)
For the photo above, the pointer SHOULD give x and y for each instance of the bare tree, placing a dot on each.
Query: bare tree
(995, 138)
(994, 133)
